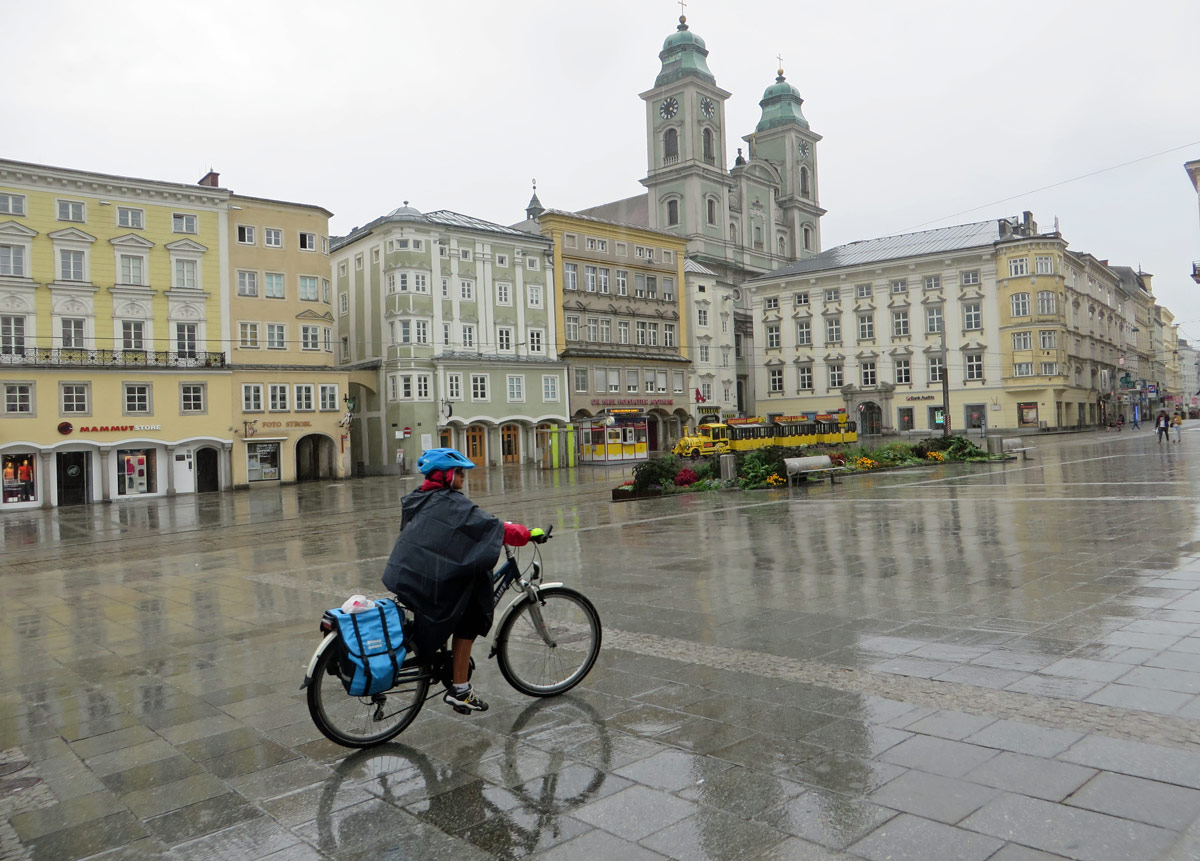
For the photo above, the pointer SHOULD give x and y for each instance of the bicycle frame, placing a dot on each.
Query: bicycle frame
(509, 574)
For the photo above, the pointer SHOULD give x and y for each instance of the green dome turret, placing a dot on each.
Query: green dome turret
(780, 106)
(682, 55)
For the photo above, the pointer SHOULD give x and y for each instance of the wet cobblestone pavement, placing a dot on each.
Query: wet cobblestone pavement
(961, 662)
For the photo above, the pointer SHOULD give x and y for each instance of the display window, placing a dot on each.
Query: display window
(262, 461)
(20, 477)
(135, 471)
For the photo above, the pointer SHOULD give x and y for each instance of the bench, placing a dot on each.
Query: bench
(1015, 445)
(799, 468)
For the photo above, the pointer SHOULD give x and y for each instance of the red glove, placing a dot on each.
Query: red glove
(515, 535)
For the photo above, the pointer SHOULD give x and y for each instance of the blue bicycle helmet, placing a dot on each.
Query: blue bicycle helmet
(442, 458)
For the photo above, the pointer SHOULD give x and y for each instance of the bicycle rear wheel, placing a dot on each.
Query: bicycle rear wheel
(364, 721)
(544, 664)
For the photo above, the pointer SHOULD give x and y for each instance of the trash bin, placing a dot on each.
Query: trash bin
(728, 467)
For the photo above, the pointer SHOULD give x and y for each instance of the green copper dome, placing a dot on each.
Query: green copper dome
(780, 106)
(682, 55)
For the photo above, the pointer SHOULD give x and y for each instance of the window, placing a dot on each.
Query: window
(12, 204)
(137, 398)
(771, 303)
(705, 391)
(639, 285)
(181, 223)
(345, 354)
(703, 353)
(405, 327)
(533, 295)
(863, 291)
(803, 333)
(276, 336)
(581, 379)
(273, 285)
(310, 337)
(591, 329)
(900, 285)
(1022, 341)
(653, 332)
(12, 336)
(308, 241)
(454, 386)
(74, 397)
(712, 211)
(466, 291)
(304, 397)
(272, 237)
(504, 338)
(72, 332)
(622, 282)
(973, 366)
(549, 388)
(185, 340)
(132, 335)
(903, 372)
(12, 260)
(972, 315)
(701, 316)
(131, 218)
(516, 388)
(308, 288)
(772, 337)
(327, 333)
(969, 278)
(933, 282)
(329, 397)
(536, 340)
(502, 260)
(70, 265)
(70, 210)
(464, 254)
(833, 330)
(191, 397)
(1044, 265)
(185, 274)
(622, 331)
(18, 399)
(642, 337)
(800, 299)
(1050, 369)
(1047, 302)
(248, 336)
(602, 280)
(468, 336)
(831, 295)
(933, 319)
(503, 293)
(668, 334)
(775, 380)
(1020, 304)
(245, 234)
(804, 378)
(479, 387)
(1018, 266)
(866, 327)
(1023, 369)
(867, 373)
(531, 263)
(899, 324)
(1048, 339)
(836, 376)
(247, 283)
(277, 397)
(446, 287)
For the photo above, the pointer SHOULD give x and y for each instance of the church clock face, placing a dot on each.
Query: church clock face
(708, 108)
(803, 147)
(669, 108)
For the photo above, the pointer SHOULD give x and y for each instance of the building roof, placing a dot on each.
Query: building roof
(683, 55)
(639, 227)
(957, 238)
(442, 217)
(694, 268)
(633, 211)
(780, 106)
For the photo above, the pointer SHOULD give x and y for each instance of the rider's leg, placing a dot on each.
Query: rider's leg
(460, 659)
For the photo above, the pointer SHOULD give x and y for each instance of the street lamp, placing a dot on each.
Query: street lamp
(945, 384)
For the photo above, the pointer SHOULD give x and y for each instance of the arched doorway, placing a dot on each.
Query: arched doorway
(871, 418)
(208, 471)
(314, 458)
(510, 443)
(477, 445)
(446, 438)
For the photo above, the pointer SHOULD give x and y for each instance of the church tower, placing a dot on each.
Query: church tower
(685, 136)
(784, 140)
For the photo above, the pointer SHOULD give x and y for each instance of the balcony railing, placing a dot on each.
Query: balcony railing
(66, 356)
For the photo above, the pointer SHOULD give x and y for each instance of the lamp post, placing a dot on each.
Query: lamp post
(945, 385)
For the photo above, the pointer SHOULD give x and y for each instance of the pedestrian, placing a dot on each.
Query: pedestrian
(1120, 422)
(1177, 427)
(1161, 425)
(1135, 418)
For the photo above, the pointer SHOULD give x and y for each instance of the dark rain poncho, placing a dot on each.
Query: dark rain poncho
(442, 562)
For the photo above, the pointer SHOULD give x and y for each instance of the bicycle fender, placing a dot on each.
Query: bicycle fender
(312, 662)
(499, 621)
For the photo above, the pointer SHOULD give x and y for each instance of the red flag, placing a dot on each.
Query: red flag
(699, 397)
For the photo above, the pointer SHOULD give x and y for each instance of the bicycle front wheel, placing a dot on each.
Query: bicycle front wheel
(363, 721)
(546, 647)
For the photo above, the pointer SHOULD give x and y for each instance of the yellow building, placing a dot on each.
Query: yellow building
(115, 328)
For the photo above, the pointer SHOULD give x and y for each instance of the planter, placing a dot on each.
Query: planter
(620, 494)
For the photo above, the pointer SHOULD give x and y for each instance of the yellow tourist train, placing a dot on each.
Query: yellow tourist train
(748, 434)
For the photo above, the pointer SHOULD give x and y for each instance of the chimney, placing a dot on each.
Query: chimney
(212, 179)
(1029, 224)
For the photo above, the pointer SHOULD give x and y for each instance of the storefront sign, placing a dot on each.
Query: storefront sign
(296, 424)
(632, 402)
(116, 428)
(921, 398)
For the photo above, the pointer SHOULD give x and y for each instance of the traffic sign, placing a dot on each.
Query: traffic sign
(1151, 389)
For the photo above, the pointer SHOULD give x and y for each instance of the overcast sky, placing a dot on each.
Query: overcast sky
(927, 108)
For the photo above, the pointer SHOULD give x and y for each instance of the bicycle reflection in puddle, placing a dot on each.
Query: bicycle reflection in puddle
(510, 803)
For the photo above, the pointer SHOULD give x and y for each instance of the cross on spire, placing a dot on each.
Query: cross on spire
(681, 7)
(779, 57)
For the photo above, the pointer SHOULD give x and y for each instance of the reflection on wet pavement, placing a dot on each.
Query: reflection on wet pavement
(950, 662)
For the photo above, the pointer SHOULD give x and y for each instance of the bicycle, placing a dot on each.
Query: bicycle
(547, 640)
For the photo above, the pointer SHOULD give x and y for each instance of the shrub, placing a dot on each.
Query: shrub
(686, 477)
(656, 472)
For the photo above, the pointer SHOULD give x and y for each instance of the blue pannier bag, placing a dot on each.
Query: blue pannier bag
(373, 642)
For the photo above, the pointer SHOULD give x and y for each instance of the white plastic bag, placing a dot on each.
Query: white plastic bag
(358, 604)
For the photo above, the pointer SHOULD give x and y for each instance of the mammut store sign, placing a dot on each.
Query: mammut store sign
(117, 428)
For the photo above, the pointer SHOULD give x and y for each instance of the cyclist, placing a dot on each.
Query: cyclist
(441, 566)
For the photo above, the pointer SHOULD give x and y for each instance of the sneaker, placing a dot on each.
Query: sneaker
(465, 702)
